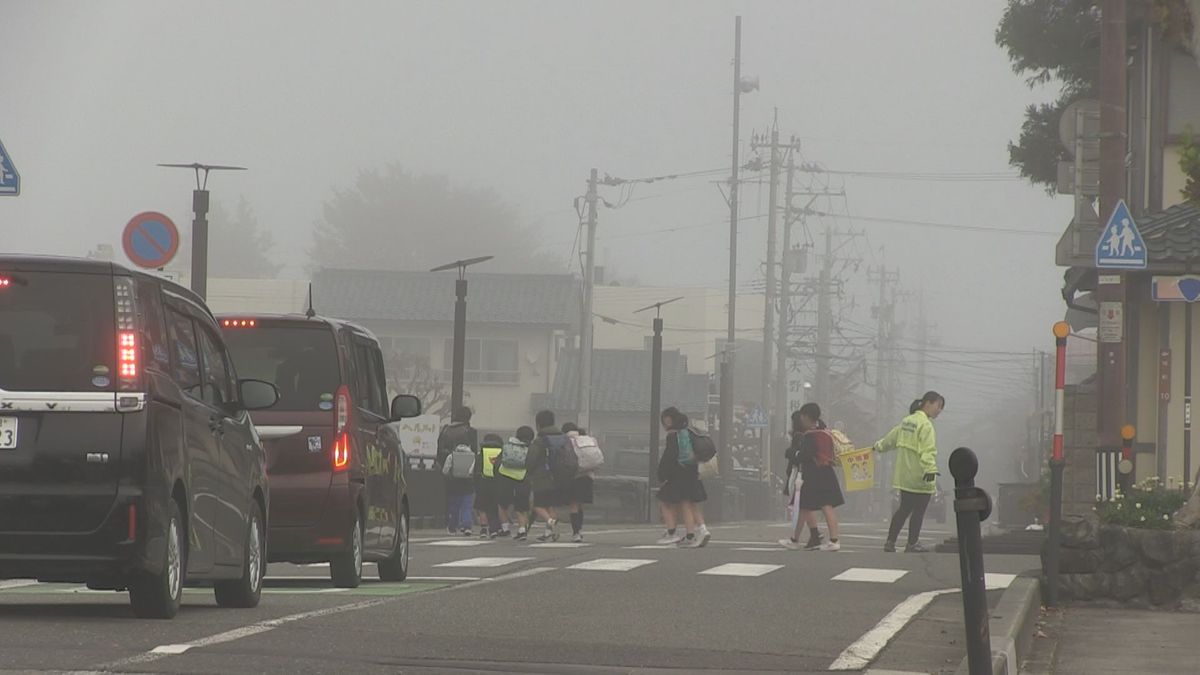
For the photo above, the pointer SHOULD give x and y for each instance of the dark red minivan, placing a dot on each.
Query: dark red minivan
(335, 468)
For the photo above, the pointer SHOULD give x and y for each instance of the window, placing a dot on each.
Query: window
(487, 361)
(300, 359)
(185, 366)
(57, 332)
(218, 385)
(150, 317)
(406, 354)
(370, 386)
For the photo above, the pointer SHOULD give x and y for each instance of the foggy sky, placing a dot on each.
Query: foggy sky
(526, 97)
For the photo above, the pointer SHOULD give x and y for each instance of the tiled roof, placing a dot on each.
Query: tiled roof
(1173, 235)
(621, 383)
(546, 299)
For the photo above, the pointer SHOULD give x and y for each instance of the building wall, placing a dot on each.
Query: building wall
(257, 296)
(498, 407)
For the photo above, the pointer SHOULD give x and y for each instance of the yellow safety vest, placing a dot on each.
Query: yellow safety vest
(490, 458)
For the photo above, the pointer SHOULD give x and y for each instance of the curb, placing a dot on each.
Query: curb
(1011, 626)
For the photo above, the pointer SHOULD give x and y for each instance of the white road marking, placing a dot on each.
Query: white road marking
(303, 591)
(741, 570)
(612, 564)
(761, 549)
(871, 575)
(459, 542)
(491, 580)
(164, 651)
(648, 547)
(483, 562)
(443, 578)
(17, 583)
(559, 545)
(864, 650)
(998, 582)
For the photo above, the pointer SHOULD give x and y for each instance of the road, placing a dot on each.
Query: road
(616, 604)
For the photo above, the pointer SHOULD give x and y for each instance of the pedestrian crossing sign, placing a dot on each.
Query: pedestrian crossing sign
(1121, 245)
(10, 180)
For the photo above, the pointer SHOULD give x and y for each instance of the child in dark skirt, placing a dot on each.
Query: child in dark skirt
(812, 450)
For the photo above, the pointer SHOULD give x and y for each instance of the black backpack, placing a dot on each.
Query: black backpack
(702, 446)
(560, 458)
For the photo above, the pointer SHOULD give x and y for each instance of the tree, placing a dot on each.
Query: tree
(237, 247)
(412, 374)
(1049, 41)
(394, 219)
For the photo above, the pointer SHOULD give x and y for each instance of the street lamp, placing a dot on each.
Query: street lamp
(655, 397)
(460, 326)
(199, 280)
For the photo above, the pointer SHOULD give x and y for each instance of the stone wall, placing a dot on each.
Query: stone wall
(1080, 442)
(1148, 568)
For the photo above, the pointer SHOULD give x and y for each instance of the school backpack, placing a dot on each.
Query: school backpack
(687, 452)
(461, 462)
(827, 453)
(515, 455)
(587, 451)
(841, 442)
(560, 458)
(702, 445)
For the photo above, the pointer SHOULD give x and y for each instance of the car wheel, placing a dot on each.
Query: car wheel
(395, 568)
(346, 568)
(156, 595)
(245, 592)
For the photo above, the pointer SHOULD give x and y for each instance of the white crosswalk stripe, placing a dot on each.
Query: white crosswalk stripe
(871, 575)
(612, 564)
(459, 542)
(741, 570)
(483, 562)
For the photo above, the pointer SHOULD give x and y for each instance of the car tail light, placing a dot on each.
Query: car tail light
(128, 352)
(239, 323)
(342, 408)
(5, 282)
(341, 453)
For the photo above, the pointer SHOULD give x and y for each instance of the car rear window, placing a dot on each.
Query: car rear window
(57, 331)
(300, 360)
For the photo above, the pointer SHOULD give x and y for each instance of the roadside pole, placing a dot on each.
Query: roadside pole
(972, 506)
(655, 401)
(1061, 330)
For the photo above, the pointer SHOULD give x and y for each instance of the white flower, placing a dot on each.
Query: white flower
(1137, 505)
(1099, 497)
(1166, 516)
(1143, 519)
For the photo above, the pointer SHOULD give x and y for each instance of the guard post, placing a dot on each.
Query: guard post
(972, 506)
(1057, 462)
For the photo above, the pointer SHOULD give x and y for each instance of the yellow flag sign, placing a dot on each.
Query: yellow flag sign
(859, 469)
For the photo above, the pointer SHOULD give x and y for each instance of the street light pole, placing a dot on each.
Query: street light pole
(655, 400)
(458, 366)
(199, 271)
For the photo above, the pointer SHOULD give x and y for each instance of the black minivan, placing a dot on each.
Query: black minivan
(128, 460)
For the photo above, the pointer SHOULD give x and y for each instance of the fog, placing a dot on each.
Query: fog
(523, 98)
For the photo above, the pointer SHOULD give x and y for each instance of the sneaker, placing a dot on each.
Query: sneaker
(522, 535)
(703, 536)
(915, 548)
(493, 535)
(577, 539)
(451, 531)
(466, 532)
(814, 542)
(545, 536)
(669, 539)
(504, 533)
(789, 544)
(483, 534)
(831, 546)
(889, 547)
(690, 541)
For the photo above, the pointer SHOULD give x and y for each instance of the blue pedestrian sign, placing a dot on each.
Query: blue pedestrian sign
(756, 419)
(10, 180)
(1121, 245)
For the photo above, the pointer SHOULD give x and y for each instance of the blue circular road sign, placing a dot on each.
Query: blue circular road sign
(150, 240)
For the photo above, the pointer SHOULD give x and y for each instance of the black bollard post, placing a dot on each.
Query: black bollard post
(972, 506)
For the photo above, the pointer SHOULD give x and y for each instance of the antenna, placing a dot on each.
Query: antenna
(310, 312)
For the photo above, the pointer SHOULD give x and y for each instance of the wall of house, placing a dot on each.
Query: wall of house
(499, 407)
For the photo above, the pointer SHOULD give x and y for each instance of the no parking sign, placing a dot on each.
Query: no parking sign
(150, 240)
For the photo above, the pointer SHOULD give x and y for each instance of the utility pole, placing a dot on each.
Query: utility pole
(824, 320)
(1113, 92)
(726, 460)
(885, 314)
(585, 318)
(923, 340)
(782, 350)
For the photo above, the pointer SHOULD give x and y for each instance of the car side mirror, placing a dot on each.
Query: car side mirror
(405, 406)
(257, 394)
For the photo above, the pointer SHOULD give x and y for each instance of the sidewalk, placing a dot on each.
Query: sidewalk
(1095, 641)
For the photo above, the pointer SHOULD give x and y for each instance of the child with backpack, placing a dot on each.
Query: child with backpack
(491, 493)
(814, 449)
(552, 465)
(514, 470)
(680, 487)
(580, 489)
(457, 445)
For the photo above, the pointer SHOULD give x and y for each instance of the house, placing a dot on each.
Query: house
(516, 326)
(620, 409)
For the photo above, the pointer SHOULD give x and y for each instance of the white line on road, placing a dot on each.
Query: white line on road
(443, 578)
(647, 547)
(870, 574)
(564, 544)
(741, 570)
(459, 542)
(864, 650)
(163, 651)
(17, 583)
(483, 562)
(612, 564)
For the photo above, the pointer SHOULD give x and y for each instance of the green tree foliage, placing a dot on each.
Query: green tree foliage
(238, 248)
(394, 219)
(1049, 41)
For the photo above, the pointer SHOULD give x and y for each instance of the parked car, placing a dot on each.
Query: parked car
(336, 468)
(128, 460)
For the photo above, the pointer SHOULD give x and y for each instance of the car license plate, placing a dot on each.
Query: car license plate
(8, 433)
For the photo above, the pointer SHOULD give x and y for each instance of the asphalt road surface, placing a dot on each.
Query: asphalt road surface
(616, 604)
